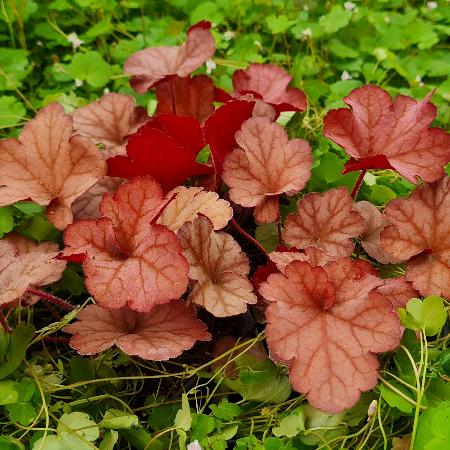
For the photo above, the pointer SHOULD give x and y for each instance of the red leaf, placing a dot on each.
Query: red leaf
(265, 165)
(220, 128)
(186, 96)
(48, 165)
(270, 83)
(165, 149)
(129, 261)
(328, 323)
(419, 232)
(219, 267)
(379, 133)
(326, 221)
(109, 121)
(151, 65)
(24, 263)
(163, 333)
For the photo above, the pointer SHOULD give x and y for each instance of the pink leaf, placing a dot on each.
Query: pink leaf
(419, 232)
(109, 121)
(328, 323)
(48, 165)
(380, 133)
(220, 268)
(398, 291)
(270, 83)
(151, 65)
(128, 260)
(265, 165)
(326, 221)
(163, 333)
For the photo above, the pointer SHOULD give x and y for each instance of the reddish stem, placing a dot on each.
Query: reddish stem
(56, 340)
(249, 238)
(5, 324)
(172, 96)
(51, 298)
(358, 183)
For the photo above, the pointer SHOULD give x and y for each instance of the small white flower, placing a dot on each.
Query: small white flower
(349, 6)
(345, 76)
(228, 35)
(210, 66)
(307, 32)
(432, 5)
(194, 446)
(372, 409)
(78, 82)
(39, 43)
(106, 91)
(74, 39)
(419, 81)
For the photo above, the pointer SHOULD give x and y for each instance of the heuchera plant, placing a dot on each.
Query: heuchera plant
(155, 227)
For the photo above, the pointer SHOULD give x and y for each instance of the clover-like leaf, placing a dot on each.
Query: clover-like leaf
(270, 83)
(374, 224)
(265, 165)
(23, 264)
(186, 96)
(48, 165)
(419, 232)
(189, 202)
(220, 268)
(379, 133)
(151, 65)
(128, 260)
(160, 334)
(326, 221)
(109, 121)
(164, 148)
(220, 129)
(86, 206)
(328, 322)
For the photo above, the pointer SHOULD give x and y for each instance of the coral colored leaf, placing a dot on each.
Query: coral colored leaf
(151, 65)
(329, 323)
(23, 264)
(165, 149)
(374, 223)
(86, 206)
(398, 291)
(48, 165)
(313, 255)
(189, 202)
(109, 121)
(326, 221)
(265, 165)
(186, 96)
(269, 83)
(129, 261)
(163, 333)
(380, 133)
(220, 268)
(220, 128)
(419, 232)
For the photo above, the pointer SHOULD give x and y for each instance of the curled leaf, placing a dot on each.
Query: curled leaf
(328, 322)
(419, 232)
(109, 120)
(270, 83)
(151, 65)
(326, 221)
(128, 260)
(265, 165)
(186, 96)
(220, 268)
(163, 333)
(49, 165)
(379, 133)
(189, 202)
